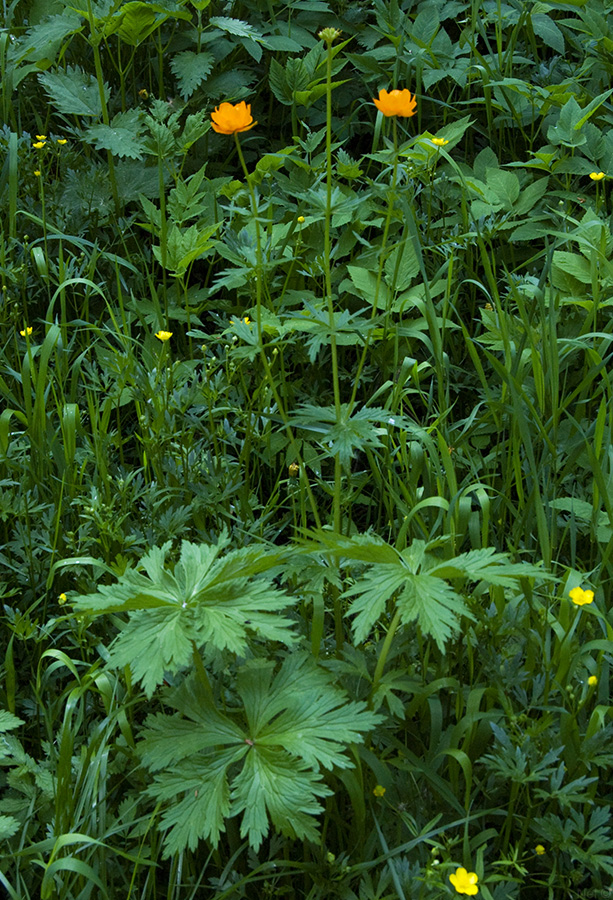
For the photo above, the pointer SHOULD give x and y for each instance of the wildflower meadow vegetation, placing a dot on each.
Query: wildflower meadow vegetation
(306, 398)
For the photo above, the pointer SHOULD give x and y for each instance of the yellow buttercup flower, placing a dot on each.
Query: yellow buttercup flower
(163, 335)
(597, 176)
(592, 681)
(396, 103)
(38, 145)
(27, 330)
(62, 140)
(379, 790)
(439, 142)
(245, 320)
(62, 599)
(464, 882)
(41, 137)
(539, 850)
(581, 597)
(230, 119)
(300, 219)
(37, 173)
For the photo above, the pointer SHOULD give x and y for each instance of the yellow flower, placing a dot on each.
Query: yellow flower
(464, 882)
(439, 142)
(246, 321)
(592, 681)
(396, 103)
(62, 140)
(37, 172)
(581, 597)
(62, 599)
(143, 93)
(294, 470)
(539, 850)
(597, 176)
(163, 335)
(39, 145)
(41, 137)
(229, 119)
(300, 219)
(379, 790)
(27, 330)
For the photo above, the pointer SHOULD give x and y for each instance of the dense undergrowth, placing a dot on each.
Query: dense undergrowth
(305, 450)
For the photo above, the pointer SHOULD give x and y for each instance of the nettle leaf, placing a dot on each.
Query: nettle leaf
(74, 92)
(43, 40)
(8, 827)
(289, 727)
(236, 26)
(202, 600)
(122, 137)
(191, 69)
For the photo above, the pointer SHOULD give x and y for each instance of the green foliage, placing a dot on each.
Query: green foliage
(305, 438)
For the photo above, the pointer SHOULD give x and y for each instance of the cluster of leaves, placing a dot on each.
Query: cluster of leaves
(322, 538)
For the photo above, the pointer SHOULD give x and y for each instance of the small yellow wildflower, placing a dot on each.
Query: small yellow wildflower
(27, 330)
(38, 145)
(464, 882)
(581, 597)
(592, 681)
(37, 173)
(597, 176)
(62, 140)
(439, 142)
(539, 850)
(245, 320)
(294, 470)
(41, 137)
(300, 219)
(379, 790)
(143, 93)
(62, 599)
(163, 335)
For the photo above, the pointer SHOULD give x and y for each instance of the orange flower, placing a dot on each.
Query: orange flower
(396, 103)
(229, 118)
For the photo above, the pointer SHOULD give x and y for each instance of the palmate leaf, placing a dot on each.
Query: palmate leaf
(415, 579)
(207, 600)
(289, 727)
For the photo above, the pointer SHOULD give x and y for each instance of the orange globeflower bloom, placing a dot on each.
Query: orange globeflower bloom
(229, 118)
(396, 103)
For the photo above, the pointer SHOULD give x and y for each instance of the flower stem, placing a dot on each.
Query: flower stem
(258, 320)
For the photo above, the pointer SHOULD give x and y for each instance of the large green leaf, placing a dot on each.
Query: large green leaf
(191, 69)
(288, 728)
(74, 92)
(205, 599)
(122, 137)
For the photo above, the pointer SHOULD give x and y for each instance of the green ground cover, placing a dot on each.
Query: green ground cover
(306, 509)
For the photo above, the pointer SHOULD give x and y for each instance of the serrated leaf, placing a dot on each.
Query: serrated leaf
(41, 41)
(236, 26)
(122, 137)
(191, 69)
(8, 827)
(274, 783)
(74, 92)
(203, 600)
(8, 721)
(297, 723)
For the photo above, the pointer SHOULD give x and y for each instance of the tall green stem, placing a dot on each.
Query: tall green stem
(258, 320)
(328, 35)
